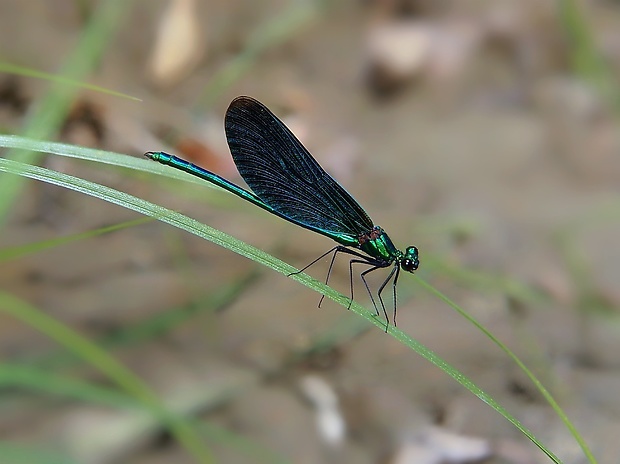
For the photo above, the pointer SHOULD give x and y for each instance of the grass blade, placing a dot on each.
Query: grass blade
(106, 364)
(190, 225)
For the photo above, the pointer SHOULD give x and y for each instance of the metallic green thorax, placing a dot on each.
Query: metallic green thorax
(377, 243)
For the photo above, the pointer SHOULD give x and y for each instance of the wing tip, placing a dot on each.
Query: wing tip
(244, 101)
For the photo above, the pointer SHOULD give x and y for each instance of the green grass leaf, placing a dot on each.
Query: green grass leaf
(15, 252)
(10, 68)
(190, 225)
(106, 364)
(49, 114)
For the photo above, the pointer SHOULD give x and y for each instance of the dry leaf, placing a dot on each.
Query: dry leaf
(179, 43)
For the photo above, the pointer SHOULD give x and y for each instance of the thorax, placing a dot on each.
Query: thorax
(377, 243)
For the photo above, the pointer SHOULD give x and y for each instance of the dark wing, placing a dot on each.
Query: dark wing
(284, 175)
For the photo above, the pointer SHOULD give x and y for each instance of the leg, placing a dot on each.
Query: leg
(363, 276)
(362, 259)
(335, 251)
(374, 267)
(394, 269)
(329, 272)
(375, 264)
(394, 282)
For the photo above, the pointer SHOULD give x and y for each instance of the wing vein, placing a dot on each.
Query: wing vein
(285, 176)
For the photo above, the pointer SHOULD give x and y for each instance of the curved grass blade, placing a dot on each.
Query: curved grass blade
(15, 453)
(92, 154)
(62, 386)
(228, 242)
(48, 115)
(10, 68)
(106, 364)
(277, 30)
(15, 252)
(541, 388)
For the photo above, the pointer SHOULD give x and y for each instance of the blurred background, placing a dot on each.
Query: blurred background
(483, 132)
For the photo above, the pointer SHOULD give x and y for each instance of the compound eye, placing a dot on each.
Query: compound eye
(410, 261)
(409, 265)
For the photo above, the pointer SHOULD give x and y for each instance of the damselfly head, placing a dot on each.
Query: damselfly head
(410, 260)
